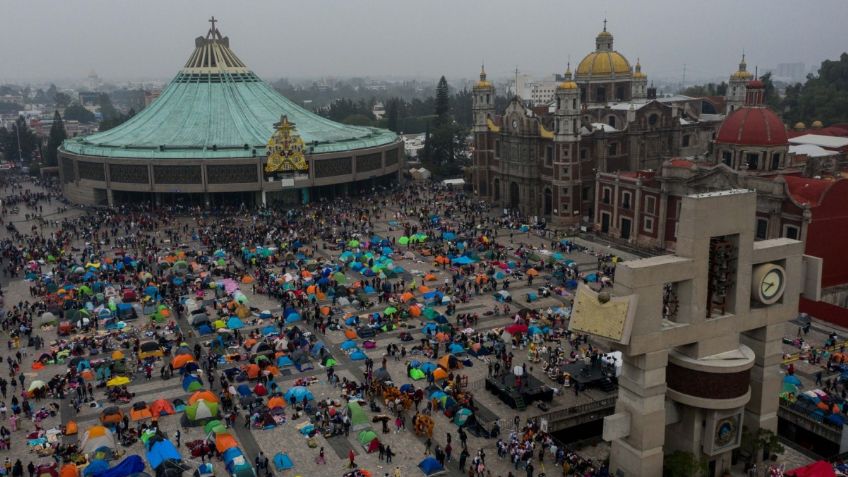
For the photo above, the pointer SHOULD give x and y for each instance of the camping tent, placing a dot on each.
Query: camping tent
(96, 437)
(160, 451)
(369, 441)
(358, 419)
(130, 466)
(201, 410)
(299, 393)
(161, 407)
(191, 383)
(283, 461)
(139, 411)
(430, 466)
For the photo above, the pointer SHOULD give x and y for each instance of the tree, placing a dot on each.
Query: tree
(108, 124)
(759, 444)
(770, 96)
(684, 464)
(55, 139)
(76, 112)
(444, 149)
(62, 100)
(392, 114)
(107, 110)
(823, 97)
(18, 138)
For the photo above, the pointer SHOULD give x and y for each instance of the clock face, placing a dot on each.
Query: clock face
(725, 433)
(514, 124)
(768, 281)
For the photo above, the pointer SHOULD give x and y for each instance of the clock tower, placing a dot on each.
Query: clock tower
(567, 174)
(483, 111)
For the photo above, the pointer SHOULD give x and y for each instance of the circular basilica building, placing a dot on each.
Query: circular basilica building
(219, 134)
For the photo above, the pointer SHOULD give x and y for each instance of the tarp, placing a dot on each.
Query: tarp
(131, 465)
(283, 461)
(161, 451)
(816, 469)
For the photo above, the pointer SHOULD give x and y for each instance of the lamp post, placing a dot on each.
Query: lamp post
(18, 134)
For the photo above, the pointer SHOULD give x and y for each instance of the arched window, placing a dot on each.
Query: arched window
(611, 120)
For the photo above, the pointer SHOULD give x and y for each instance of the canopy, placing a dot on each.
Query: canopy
(118, 381)
(816, 469)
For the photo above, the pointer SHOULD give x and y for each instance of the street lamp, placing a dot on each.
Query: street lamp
(18, 134)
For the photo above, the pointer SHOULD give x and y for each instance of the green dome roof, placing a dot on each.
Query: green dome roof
(217, 108)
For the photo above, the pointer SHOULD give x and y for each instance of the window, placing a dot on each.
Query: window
(752, 161)
(625, 200)
(619, 93)
(648, 224)
(497, 148)
(584, 194)
(607, 195)
(574, 103)
(583, 153)
(727, 158)
(573, 126)
(549, 155)
(652, 119)
(686, 140)
(611, 121)
(775, 161)
(565, 172)
(762, 229)
(612, 149)
(563, 192)
(650, 204)
(791, 232)
(600, 94)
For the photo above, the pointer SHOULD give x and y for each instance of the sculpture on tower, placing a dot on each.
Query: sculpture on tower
(285, 149)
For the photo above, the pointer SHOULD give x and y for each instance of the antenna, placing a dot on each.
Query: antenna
(683, 83)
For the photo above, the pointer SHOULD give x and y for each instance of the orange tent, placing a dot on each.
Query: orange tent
(87, 374)
(407, 296)
(140, 414)
(415, 311)
(325, 310)
(181, 360)
(445, 362)
(37, 365)
(442, 337)
(71, 428)
(248, 343)
(276, 401)
(111, 415)
(350, 333)
(69, 470)
(424, 289)
(161, 407)
(429, 277)
(320, 295)
(306, 274)
(311, 289)
(532, 272)
(440, 373)
(252, 371)
(225, 441)
(442, 259)
(247, 279)
(203, 395)
(823, 406)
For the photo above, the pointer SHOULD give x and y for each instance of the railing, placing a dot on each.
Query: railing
(825, 429)
(575, 411)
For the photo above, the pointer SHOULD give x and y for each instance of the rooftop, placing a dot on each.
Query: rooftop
(217, 108)
(828, 142)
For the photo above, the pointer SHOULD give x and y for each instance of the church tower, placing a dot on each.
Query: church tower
(639, 88)
(483, 102)
(567, 112)
(736, 87)
(567, 184)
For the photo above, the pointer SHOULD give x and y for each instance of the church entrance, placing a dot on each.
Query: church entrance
(549, 202)
(514, 198)
(605, 222)
(625, 229)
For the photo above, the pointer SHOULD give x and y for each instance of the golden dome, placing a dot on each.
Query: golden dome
(638, 73)
(800, 126)
(483, 83)
(742, 73)
(604, 63)
(567, 85)
(817, 124)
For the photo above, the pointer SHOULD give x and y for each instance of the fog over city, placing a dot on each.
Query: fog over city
(123, 40)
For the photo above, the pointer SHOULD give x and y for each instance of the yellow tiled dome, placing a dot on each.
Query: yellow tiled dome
(604, 63)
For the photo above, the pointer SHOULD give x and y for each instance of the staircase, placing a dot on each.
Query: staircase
(520, 404)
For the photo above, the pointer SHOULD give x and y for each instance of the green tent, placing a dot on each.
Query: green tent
(340, 277)
(430, 313)
(353, 243)
(403, 240)
(201, 410)
(358, 419)
(390, 310)
(194, 386)
(416, 374)
(366, 438)
(211, 425)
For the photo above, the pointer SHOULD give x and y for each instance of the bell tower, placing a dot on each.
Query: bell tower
(568, 185)
(736, 87)
(483, 102)
(567, 110)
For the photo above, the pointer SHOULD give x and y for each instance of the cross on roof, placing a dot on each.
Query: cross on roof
(605, 24)
(212, 21)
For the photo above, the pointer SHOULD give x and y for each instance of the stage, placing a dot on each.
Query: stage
(587, 376)
(531, 390)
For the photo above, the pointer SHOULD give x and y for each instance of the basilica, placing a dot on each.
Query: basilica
(542, 160)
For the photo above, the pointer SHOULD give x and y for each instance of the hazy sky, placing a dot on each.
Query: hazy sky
(140, 39)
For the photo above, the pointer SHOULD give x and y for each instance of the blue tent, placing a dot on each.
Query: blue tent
(161, 451)
(265, 315)
(437, 394)
(430, 466)
(407, 388)
(792, 379)
(316, 349)
(463, 260)
(284, 361)
(235, 323)
(283, 461)
(231, 454)
(387, 251)
(369, 290)
(131, 465)
(96, 467)
(204, 330)
(427, 367)
(592, 277)
(357, 355)
(300, 394)
(456, 348)
(270, 330)
(429, 329)
(244, 390)
(292, 317)
(349, 344)
(448, 235)
(352, 320)
(188, 380)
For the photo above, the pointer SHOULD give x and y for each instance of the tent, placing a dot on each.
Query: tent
(440, 374)
(201, 410)
(416, 374)
(792, 379)
(111, 416)
(161, 407)
(96, 437)
(283, 461)
(181, 360)
(191, 383)
(224, 441)
(160, 451)
(139, 411)
(369, 441)
(204, 395)
(299, 393)
(129, 466)
(461, 416)
(430, 466)
(358, 419)
(95, 468)
(276, 402)
(357, 355)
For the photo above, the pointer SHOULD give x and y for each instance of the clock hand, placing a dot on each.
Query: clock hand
(770, 284)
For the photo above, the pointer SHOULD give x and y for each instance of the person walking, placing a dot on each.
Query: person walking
(352, 458)
(321, 459)
(177, 436)
(463, 456)
(389, 454)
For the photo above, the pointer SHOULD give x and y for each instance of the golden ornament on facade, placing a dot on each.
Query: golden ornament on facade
(285, 149)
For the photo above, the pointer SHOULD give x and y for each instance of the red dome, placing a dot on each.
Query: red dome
(753, 126)
(755, 83)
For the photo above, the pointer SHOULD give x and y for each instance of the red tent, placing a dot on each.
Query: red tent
(816, 469)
